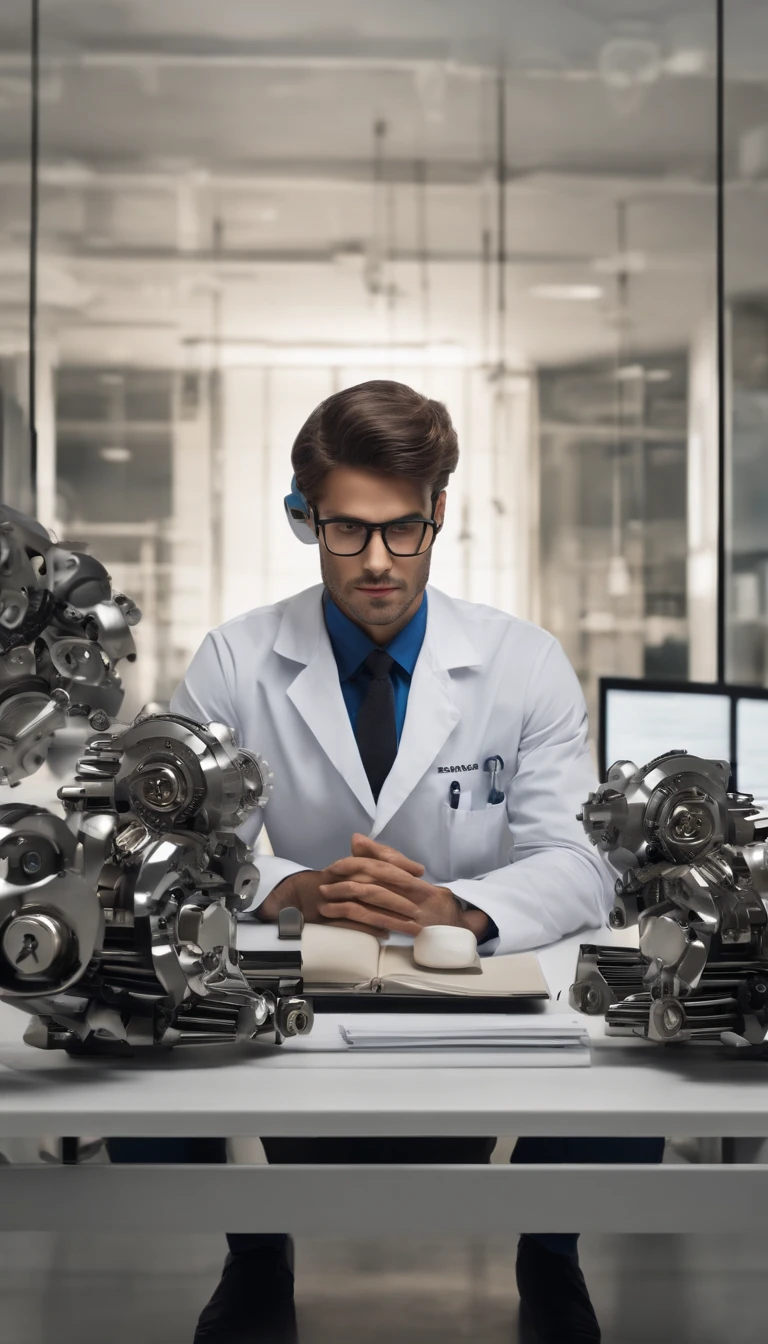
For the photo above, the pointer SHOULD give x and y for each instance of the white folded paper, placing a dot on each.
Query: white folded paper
(555, 1032)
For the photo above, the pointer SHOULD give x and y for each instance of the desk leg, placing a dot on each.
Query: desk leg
(70, 1152)
(745, 1150)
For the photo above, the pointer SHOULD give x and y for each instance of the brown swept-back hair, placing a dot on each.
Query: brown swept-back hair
(381, 426)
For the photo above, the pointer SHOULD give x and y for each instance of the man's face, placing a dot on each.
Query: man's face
(375, 588)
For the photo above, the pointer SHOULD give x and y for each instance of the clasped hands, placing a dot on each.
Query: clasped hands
(376, 890)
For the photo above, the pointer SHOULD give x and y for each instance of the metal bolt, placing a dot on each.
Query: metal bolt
(296, 1022)
(161, 787)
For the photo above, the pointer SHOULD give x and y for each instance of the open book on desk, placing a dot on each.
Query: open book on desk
(346, 961)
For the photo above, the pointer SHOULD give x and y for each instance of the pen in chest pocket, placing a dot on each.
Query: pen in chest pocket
(493, 765)
(458, 801)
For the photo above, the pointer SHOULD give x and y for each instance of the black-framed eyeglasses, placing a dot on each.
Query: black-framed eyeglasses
(402, 536)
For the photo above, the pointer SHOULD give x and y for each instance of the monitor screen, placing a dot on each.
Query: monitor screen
(641, 724)
(752, 747)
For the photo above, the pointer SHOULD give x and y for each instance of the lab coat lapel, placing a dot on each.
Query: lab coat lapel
(432, 712)
(316, 691)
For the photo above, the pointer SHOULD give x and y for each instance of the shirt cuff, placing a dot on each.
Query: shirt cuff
(492, 933)
(272, 871)
(491, 936)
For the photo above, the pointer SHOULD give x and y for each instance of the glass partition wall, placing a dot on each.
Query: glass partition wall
(746, 296)
(510, 206)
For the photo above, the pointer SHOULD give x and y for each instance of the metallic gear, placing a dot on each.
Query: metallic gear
(694, 879)
(62, 633)
(151, 835)
(118, 924)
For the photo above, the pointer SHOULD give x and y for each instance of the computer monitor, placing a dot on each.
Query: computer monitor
(643, 719)
(752, 744)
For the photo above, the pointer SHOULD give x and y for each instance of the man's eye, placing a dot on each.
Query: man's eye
(350, 527)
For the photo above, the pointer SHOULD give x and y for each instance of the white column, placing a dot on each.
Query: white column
(44, 504)
(46, 436)
(702, 504)
(190, 536)
(244, 518)
(514, 500)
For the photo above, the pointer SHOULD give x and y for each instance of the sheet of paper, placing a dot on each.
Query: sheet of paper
(325, 1046)
(436, 1030)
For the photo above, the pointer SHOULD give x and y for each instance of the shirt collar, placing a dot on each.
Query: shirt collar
(351, 645)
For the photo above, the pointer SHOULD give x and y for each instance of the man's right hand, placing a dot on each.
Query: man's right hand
(302, 890)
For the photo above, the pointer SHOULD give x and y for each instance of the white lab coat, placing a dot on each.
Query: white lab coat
(485, 683)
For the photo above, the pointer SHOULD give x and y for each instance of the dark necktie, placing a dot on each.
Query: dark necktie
(376, 727)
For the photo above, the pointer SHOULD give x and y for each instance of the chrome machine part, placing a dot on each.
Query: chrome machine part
(694, 878)
(62, 633)
(153, 811)
(169, 772)
(118, 924)
(50, 919)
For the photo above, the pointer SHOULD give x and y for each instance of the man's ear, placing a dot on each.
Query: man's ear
(438, 513)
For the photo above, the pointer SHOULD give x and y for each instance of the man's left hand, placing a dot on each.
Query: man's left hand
(369, 888)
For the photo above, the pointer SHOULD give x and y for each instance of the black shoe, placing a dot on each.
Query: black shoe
(253, 1303)
(554, 1302)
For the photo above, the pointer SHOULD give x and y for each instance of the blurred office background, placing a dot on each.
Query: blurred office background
(512, 206)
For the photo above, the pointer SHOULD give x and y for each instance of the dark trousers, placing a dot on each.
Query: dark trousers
(391, 1152)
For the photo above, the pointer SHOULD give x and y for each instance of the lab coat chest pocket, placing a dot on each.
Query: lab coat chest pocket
(474, 842)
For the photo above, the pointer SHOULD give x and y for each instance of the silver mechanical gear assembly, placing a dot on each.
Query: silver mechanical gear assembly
(118, 920)
(693, 865)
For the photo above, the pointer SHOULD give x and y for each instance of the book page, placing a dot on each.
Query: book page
(517, 975)
(338, 956)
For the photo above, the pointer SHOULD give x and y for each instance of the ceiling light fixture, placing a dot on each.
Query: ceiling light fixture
(115, 454)
(632, 373)
(687, 61)
(628, 263)
(567, 293)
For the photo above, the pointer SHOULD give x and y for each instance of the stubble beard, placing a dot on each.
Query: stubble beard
(368, 610)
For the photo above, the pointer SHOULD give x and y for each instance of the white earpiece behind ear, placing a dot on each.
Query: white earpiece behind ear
(299, 515)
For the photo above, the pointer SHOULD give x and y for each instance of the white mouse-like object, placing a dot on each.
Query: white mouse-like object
(444, 947)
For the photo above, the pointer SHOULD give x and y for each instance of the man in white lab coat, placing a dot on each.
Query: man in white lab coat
(477, 683)
(429, 755)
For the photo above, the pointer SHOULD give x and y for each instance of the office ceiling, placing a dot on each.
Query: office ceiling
(218, 168)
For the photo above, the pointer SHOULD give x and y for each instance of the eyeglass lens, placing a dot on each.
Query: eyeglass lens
(350, 538)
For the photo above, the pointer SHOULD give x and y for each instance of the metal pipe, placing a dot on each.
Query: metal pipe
(34, 162)
(722, 557)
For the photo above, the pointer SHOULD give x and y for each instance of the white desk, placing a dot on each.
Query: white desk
(632, 1089)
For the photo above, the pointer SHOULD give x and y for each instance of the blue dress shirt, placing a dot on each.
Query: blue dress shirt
(351, 647)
